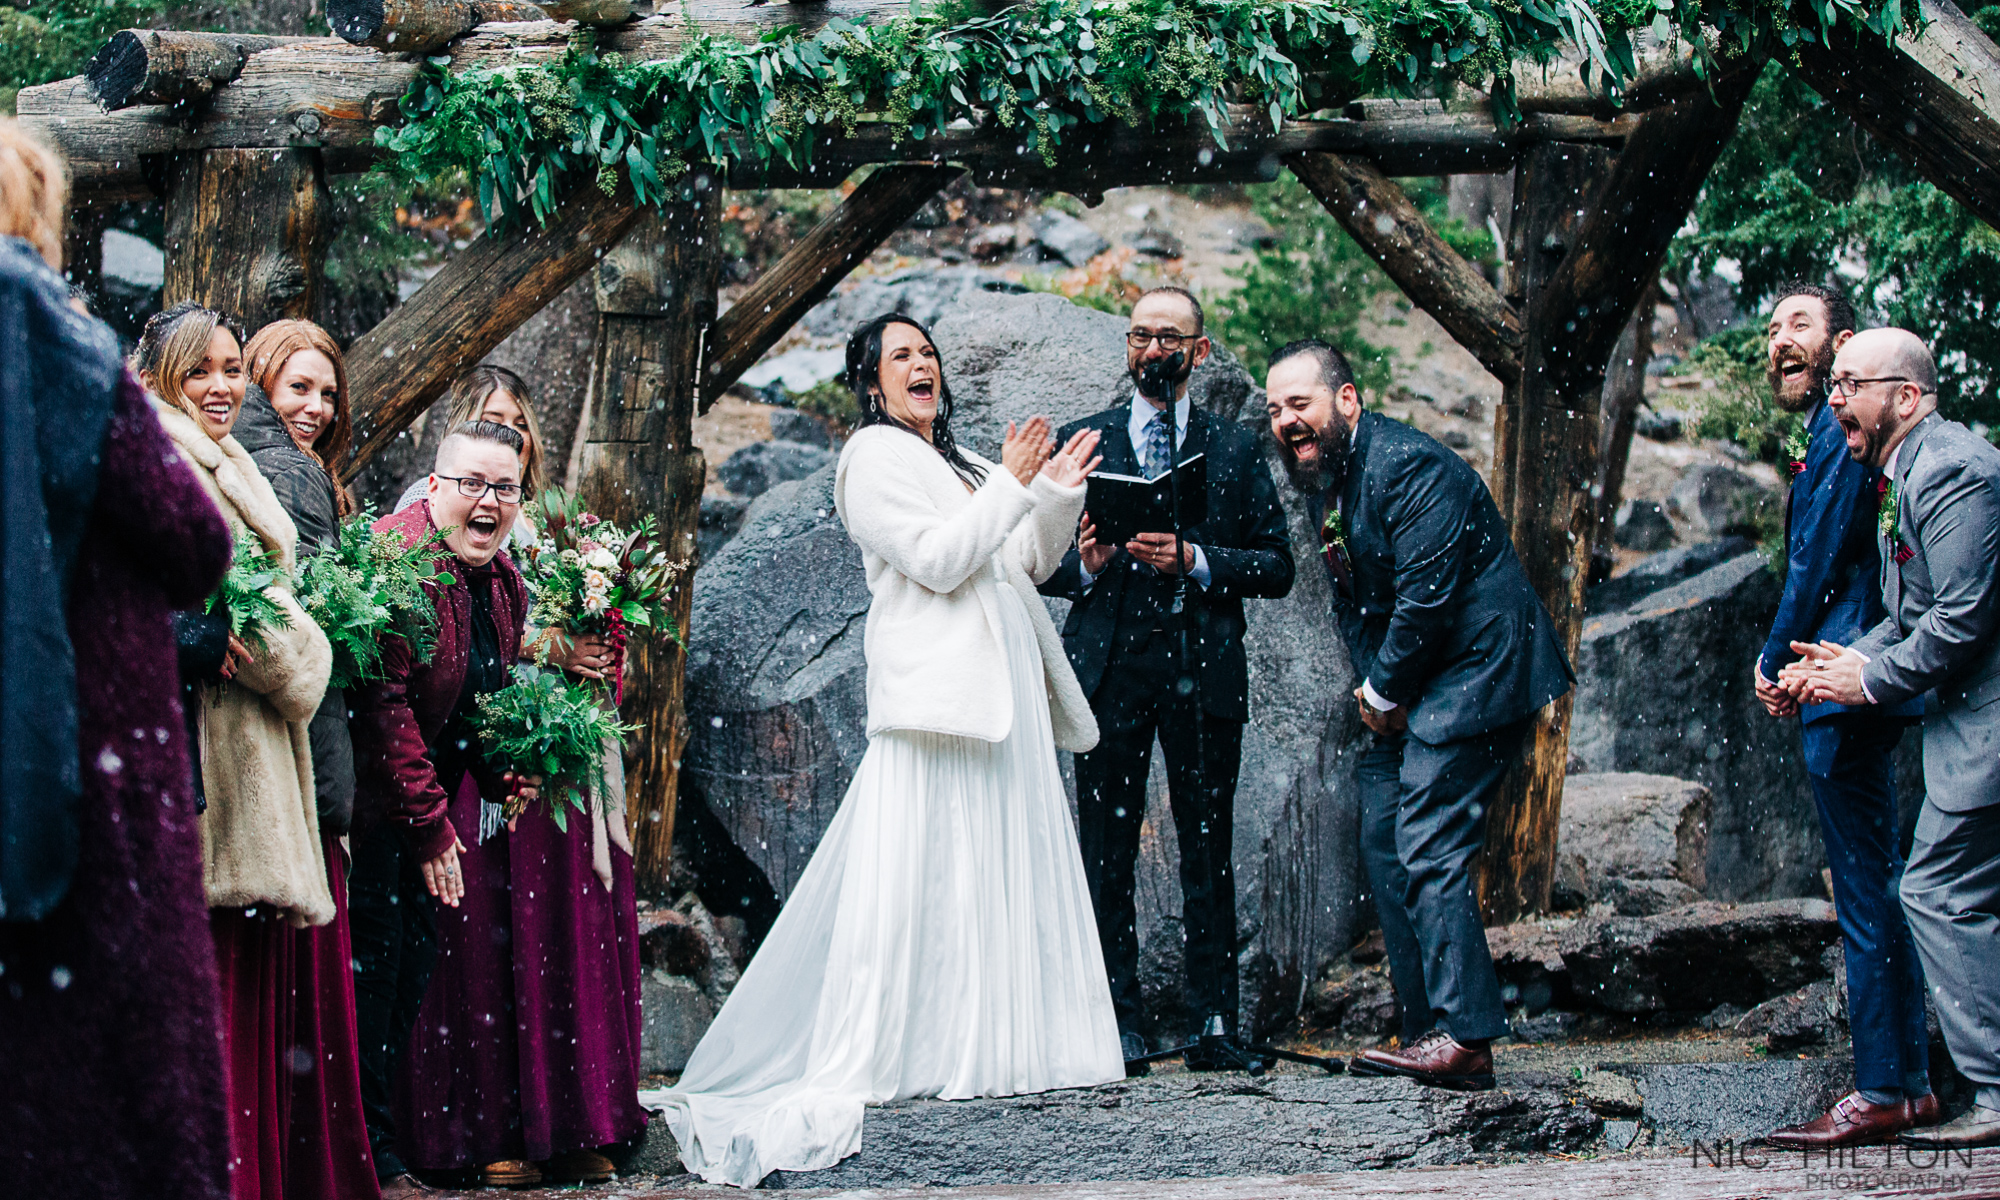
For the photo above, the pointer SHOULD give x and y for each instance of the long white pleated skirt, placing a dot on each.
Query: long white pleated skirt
(940, 943)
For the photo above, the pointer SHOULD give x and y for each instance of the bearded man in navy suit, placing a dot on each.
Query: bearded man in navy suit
(1833, 594)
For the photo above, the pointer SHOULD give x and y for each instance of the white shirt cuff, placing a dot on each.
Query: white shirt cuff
(1865, 660)
(1084, 577)
(1200, 573)
(1374, 698)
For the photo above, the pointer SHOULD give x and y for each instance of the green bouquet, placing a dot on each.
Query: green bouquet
(242, 593)
(540, 725)
(368, 585)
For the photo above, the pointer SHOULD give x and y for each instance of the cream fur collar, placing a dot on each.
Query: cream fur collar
(235, 476)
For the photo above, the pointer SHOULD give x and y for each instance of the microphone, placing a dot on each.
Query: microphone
(1157, 378)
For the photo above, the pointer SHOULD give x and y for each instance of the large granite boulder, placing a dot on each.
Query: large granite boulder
(1635, 841)
(1664, 687)
(1692, 959)
(775, 675)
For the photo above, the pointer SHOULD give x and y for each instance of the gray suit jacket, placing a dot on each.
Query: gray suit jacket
(1943, 602)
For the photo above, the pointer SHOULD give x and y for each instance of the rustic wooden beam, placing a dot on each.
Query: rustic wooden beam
(656, 307)
(326, 94)
(811, 269)
(246, 232)
(419, 26)
(1933, 98)
(1550, 424)
(1378, 216)
(163, 66)
(591, 12)
(482, 294)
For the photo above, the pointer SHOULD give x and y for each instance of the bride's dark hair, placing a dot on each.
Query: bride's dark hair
(864, 378)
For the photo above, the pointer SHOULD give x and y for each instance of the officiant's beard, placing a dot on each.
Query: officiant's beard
(1179, 377)
(1327, 466)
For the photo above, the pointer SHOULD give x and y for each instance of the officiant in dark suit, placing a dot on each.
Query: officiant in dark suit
(1455, 654)
(1122, 638)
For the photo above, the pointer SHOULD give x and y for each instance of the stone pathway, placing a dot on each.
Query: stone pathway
(1655, 1177)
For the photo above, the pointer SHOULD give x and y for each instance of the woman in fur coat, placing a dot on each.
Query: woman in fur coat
(941, 942)
(262, 864)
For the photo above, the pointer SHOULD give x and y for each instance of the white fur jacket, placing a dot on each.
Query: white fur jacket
(260, 842)
(935, 659)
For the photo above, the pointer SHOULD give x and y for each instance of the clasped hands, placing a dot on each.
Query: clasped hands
(1826, 673)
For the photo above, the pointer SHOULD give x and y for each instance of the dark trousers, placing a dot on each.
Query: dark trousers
(1850, 761)
(1137, 702)
(1423, 818)
(394, 930)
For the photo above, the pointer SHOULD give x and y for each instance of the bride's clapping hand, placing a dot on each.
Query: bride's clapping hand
(1026, 449)
(1075, 461)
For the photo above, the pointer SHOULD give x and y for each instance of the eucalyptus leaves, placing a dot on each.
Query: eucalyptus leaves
(527, 134)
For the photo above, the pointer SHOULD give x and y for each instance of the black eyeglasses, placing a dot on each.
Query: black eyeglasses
(1851, 388)
(1170, 342)
(474, 488)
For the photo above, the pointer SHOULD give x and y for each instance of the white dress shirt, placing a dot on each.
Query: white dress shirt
(1142, 414)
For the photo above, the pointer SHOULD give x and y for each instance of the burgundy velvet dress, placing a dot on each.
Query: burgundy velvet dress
(111, 1057)
(527, 1044)
(288, 997)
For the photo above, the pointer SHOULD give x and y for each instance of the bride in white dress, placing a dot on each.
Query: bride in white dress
(941, 941)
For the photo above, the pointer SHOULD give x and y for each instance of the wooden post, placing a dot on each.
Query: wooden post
(247, 232)
(1624, 392)
(656, 305)
(1532, 442)
(1580, 256)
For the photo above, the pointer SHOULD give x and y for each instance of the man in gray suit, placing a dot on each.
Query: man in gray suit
(1940, 533)
(1455, 655)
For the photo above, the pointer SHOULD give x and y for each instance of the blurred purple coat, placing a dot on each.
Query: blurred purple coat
(112, 1082)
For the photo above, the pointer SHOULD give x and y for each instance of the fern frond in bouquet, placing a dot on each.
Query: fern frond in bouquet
(368, 585)
(540, 725)
(241, 595)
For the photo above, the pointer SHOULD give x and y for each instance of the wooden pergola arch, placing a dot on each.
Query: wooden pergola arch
(237, 133)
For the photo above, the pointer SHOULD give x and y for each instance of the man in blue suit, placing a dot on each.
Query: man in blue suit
(1833, 594)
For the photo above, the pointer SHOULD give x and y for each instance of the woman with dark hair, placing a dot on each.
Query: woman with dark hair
(941, 942)
(296, 422)
(113, 1082)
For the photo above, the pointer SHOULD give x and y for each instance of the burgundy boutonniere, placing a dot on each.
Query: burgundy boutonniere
(1903, 553)
(1796, 446)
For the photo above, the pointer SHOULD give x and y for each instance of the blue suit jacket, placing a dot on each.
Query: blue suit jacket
(1832, 584)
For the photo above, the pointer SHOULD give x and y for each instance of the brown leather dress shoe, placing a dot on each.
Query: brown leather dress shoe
(1977, 1127)
(1435, 1059)
(1851, 1122)
(510, 1173)
(581, 1166)
(1924, 1110)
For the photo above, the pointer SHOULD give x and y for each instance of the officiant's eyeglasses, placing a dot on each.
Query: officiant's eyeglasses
(1851, 388)
(472, 488)
(1169, 342)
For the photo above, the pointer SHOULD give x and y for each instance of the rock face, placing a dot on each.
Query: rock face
(1643, 525)
(1664, 687)
(675, 1013)
(1356, 1003)
(1062, 236)
(1195, 1126)
(776, 680)
(1692, 959)
(761, 466)
(1629, 836)
(1719, 500)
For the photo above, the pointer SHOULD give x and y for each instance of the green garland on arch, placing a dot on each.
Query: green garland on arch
(528, 134)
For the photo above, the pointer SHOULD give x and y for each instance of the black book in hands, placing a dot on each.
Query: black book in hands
(1123, 506)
